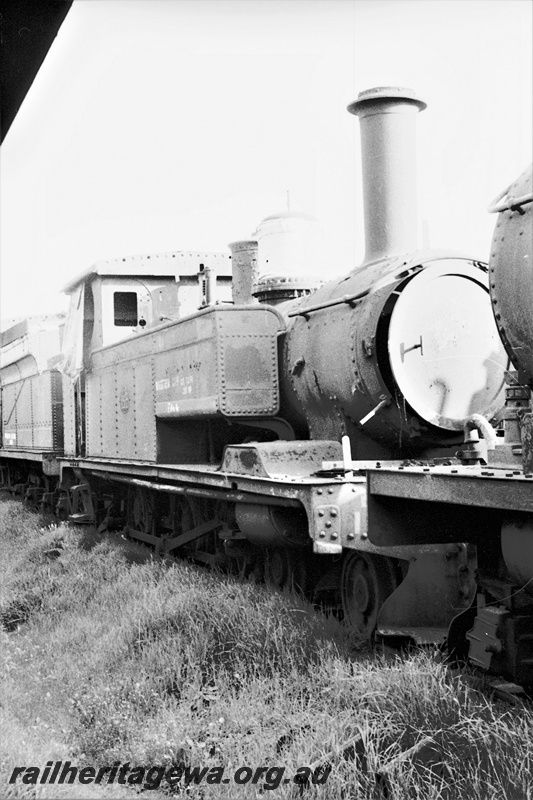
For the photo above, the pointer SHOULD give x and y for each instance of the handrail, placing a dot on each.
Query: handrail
(498, 205)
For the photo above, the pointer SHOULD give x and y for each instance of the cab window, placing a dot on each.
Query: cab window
(125, 309)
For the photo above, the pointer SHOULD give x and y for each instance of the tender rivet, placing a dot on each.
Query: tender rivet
(322, 534)
(334, 535)
(319, 491)
(320, 513)
(330, 491)
(333, 513)
(328, 524)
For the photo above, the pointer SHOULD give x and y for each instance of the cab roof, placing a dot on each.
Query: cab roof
(157, 265)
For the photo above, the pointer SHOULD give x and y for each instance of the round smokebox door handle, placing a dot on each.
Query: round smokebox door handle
(418, 346)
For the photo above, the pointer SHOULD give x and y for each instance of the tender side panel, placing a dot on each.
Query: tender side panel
(42, 411)
(107, 416)
(24, 429)
(186, 373)
(120, 411)
(145, 433)
(58, 427)
(32, 413)
(69, 418)
(218, 362)
(9, 415)
(135, 411)
(125, 411)
(92, 408)
(248, 364)
(223, 362)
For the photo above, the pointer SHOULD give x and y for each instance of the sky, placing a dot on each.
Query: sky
(163, 125)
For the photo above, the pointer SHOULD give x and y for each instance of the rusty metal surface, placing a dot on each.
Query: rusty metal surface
(340, 516)
(32, 415)
(229, 495)
(69, 420)
(494, 489)
(58, 432)
(244, 270)
(268, 526)
(270, 459)
(526, 434)
(511, 277)
(121, 412)
(501, 641)
(347, 368)
(207, 474)
(218, 361)
(248, 363)
(321, 500)
(388, 148)
(436, 587)
(29, 455)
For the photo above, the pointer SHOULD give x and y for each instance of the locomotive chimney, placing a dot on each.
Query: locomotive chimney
(388, 146)
(244, 270)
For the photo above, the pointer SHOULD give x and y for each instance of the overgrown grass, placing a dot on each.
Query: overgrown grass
(112, 655)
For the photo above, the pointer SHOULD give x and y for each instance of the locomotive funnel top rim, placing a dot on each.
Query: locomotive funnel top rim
(381, 93)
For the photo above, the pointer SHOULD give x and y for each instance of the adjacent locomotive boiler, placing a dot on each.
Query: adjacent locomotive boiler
(491, 500)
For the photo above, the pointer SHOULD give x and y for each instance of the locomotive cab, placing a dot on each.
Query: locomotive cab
(120, 297)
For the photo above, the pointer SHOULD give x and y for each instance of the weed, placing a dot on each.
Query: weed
(114, 655)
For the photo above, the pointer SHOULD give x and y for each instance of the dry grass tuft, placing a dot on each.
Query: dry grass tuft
(110, 654)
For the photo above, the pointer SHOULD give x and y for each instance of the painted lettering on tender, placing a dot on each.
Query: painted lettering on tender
(182, 379)
(183, 382)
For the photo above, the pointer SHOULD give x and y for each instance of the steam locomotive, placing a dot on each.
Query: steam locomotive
(370, 437)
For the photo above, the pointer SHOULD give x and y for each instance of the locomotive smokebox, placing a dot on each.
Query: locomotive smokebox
(403, 350)
(388, 147)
